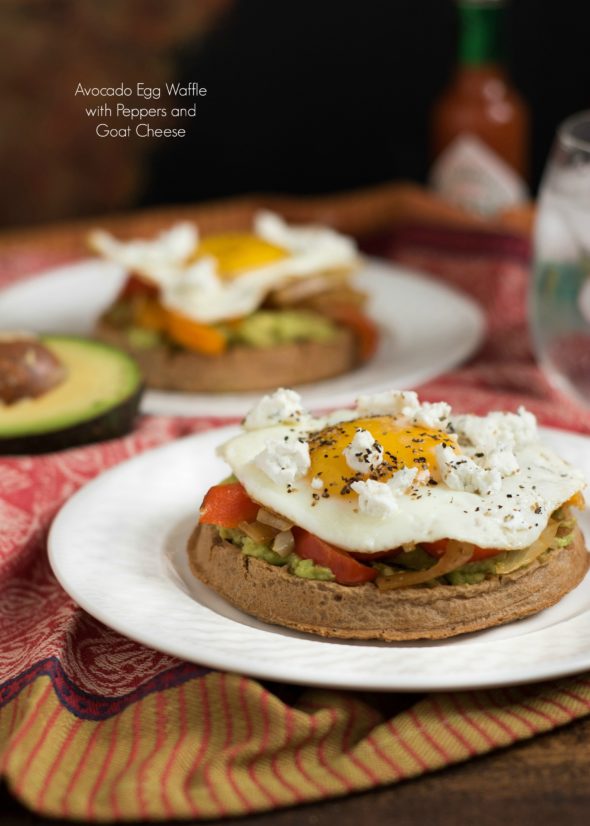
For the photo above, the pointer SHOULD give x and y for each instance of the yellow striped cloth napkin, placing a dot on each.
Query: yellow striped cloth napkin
(222, 744)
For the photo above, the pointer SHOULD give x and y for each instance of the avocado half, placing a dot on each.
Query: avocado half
(97, 400)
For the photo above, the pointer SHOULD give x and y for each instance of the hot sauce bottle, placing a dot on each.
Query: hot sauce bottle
(480, 125)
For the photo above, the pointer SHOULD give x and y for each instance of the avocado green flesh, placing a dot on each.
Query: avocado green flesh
(99, 379)
(472, 572)
(142, 339)
(415, 560)
(266, 328)
(304, 568)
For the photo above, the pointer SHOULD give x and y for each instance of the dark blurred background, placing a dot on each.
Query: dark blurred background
(304, 96)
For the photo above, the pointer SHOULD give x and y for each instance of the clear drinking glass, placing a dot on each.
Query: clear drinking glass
(560, 293)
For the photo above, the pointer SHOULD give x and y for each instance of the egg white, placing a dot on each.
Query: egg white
(510, 519)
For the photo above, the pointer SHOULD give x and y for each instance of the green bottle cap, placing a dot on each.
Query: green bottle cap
(481, 32)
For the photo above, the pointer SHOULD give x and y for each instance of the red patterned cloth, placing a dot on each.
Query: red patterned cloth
(95, 671)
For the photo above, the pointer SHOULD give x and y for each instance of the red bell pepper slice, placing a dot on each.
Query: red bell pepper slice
(227, 505)
(346, 570)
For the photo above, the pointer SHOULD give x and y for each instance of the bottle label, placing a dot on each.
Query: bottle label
(470, 174)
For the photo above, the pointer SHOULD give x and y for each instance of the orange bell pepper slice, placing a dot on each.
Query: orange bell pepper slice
(193, 335)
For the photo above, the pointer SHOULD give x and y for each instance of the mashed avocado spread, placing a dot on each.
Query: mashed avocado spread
(143, 339)
(265, 328)
(416, 560)
(304, 568)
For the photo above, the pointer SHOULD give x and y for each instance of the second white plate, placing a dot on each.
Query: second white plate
(426, 328)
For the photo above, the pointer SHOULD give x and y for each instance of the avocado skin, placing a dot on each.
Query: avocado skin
(109, 425)
(113, 423)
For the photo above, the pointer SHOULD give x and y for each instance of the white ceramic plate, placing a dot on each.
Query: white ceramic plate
(118, 548)
(426, 328)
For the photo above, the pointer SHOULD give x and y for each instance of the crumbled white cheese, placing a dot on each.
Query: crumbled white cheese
(461, 473)
(406, 405)
(434, 415)
(381, 499)
(376, 499)
(317, 483)
(513, 430)
(284, 461)
(524, 427)
(389, 403)
(282, 407)
(364, 453)
(503, 460)
(402, 480)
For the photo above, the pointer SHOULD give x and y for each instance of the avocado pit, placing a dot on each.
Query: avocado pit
(28, 368)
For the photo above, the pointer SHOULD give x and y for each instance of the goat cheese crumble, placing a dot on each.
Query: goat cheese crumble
(405, 404)
(364, 453)
(284, 462)
(381, 499)
(510, 430)
(461, 473)
(281, 407)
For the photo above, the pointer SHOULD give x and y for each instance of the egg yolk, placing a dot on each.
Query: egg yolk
(237, 252)
(403, 446)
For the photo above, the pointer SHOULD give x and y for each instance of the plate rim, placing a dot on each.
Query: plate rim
(284, 672)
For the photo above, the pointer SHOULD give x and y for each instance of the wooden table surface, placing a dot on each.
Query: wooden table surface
(544, 782)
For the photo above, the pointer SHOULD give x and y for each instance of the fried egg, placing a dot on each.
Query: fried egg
(228, 276)
(393, 472)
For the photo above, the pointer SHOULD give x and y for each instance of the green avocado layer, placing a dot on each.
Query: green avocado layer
(264, 328)
(267, 328)
(415, 560)
(304, 568)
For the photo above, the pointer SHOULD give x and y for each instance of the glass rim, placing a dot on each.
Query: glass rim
(565, 131)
